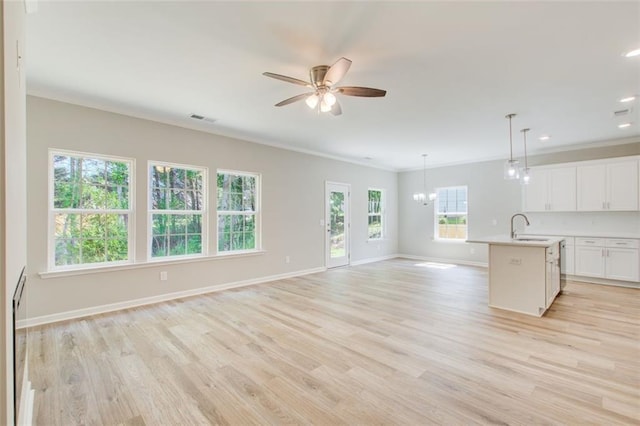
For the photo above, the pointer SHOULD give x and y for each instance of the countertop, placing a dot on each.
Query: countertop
(587, 234)
(508, 241)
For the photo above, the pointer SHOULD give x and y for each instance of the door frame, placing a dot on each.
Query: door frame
(327, 222)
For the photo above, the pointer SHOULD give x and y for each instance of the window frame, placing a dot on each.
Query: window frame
(257, 213)
(381, 214)
(52, 211)
(204, 240)
(436, 205)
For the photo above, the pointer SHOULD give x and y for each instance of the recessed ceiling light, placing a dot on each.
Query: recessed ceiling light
(624, 125)
(628, 99)
(635, 52)
(544, 137)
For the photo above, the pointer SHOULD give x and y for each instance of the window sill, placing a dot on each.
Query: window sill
(146, 264)
(449, 240)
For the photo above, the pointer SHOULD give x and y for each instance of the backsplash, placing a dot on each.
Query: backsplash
(585, 222)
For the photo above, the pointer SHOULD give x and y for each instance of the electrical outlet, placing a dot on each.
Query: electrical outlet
(287, 259)
(472, 250)
(163, 276)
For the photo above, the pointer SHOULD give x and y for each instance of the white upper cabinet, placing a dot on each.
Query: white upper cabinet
(551, 189)
(609, 186)
(622, 186)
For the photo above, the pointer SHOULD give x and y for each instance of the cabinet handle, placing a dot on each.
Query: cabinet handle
(604, 205)
(608, 205)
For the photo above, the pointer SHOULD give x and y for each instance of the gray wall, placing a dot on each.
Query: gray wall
(490, 198)
(292, 205)
(492, 201)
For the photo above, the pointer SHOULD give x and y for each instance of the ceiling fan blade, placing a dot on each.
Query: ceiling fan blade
(287, 79)
(294, 99)
(336, 109)
(367, 92)
(336, 72)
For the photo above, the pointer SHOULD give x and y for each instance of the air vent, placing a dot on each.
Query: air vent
(202, 118)
(622, 112)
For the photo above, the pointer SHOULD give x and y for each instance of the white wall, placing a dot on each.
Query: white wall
(292, 205)
(13, 187)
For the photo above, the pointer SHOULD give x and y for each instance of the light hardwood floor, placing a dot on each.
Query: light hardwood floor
(384, 343)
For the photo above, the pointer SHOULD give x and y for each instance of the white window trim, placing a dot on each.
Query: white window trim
(51, 212)
(257, 212)
(151, 212)
(436, 228)
(140, 265)
(383, 209)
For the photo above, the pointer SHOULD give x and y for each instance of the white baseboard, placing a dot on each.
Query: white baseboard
(374, 259)
(440, 260)
(602, 281)
(111, 307)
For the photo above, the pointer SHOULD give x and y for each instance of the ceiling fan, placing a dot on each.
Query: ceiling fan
(323, 80)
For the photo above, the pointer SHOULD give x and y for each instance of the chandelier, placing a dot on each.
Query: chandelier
(424, 197)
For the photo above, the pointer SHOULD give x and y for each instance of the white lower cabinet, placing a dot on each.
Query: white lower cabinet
(616, 259)
(621, 264)
(567, 262)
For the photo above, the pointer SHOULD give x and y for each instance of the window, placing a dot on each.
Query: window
(89, 210)
(238, 211)
(451, 213)
(376, 223)
(177, 210)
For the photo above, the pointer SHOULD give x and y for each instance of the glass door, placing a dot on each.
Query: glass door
(337, 222)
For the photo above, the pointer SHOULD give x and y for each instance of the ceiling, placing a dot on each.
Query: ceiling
(452, 71)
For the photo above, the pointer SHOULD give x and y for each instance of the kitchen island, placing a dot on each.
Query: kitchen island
(524, 273)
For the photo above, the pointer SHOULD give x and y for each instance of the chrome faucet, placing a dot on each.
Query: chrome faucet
(513, 231)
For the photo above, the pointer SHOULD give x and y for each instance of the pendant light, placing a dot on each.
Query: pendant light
(424, 197)
(511, 169)
(526, 177)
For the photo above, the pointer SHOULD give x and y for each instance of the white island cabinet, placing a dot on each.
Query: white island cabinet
(524, 275)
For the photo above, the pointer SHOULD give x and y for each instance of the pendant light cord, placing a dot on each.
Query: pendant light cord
(510, 116)
(524, 134)
(424, 173)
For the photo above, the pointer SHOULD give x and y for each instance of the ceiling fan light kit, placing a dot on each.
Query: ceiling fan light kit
(322, 79)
